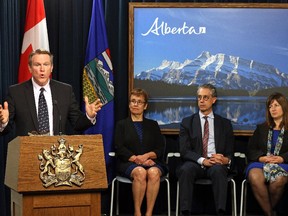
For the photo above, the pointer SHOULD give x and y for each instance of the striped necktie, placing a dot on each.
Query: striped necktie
(205, 137)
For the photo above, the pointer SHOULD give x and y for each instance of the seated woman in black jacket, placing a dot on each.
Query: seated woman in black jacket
(267, 153)
(140, 148)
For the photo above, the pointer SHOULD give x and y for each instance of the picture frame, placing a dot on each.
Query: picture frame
(240, 48)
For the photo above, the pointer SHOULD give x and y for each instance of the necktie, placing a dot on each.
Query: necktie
(43, 117)
(205, 136)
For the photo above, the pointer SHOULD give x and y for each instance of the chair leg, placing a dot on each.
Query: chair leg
(233, 195)
(243, 198)
(112, 197)
(177, 199)
(117, 199)
(168, 197)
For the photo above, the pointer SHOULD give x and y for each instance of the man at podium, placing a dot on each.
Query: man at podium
(42, 105)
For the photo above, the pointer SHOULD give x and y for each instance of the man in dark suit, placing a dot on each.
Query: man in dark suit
(211, 160)
(21, 107)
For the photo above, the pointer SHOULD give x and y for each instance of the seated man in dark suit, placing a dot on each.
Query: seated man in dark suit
(206, 148)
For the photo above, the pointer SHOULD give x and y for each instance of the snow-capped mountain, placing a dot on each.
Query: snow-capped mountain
(225, 71)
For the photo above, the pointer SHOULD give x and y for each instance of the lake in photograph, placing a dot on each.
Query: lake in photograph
(244, 112)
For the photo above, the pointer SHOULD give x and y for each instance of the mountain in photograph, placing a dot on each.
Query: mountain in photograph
(224, 71)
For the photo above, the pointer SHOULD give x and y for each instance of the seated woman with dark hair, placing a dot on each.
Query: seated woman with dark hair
(267, 153)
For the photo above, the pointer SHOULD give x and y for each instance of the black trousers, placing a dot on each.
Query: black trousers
(190, 171)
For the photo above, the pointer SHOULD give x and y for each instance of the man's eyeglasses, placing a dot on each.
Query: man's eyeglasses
(134, 102)
(204, 97)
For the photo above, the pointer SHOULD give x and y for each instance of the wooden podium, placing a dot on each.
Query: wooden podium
(51, 189)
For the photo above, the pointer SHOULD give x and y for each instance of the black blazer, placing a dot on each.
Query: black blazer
(23, 115)
(127, 142)
(257, 145)
(190, 137)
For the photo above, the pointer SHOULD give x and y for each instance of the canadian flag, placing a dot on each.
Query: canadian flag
(35, 36)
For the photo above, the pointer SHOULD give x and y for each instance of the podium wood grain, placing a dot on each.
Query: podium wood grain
(30, 197)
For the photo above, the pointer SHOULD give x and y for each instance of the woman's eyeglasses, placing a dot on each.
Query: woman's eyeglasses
(135, 102)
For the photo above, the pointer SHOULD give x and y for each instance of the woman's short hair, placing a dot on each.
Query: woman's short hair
(139, 92)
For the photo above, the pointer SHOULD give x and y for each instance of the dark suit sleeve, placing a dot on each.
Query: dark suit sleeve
(284, 149)
(22, 111)
(226, 137)
(190, 138)
(120, 140)
(190, 146)
(68, 107)
(127, 142)
(155, 138)
(78, 120)
(257, 145)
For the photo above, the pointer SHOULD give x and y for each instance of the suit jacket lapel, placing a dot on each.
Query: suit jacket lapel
(55, 98)
(197, 126)
(29, 95)
(216, 131)
(198, 132)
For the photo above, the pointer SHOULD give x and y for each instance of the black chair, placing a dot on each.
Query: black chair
(207, 182)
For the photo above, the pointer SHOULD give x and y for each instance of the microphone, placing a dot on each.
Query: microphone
(55, 102)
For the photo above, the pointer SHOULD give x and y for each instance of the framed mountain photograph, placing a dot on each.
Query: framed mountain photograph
(242, 49)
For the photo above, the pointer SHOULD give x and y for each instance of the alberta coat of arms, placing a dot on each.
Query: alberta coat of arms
(61, 165)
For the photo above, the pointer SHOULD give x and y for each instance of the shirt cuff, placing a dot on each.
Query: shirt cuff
(3, 126)
(93, 120)
(200, 161)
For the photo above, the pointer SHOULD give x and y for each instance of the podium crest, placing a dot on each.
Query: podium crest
(61, 165)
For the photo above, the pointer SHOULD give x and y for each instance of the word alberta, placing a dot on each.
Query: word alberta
(164, 29)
